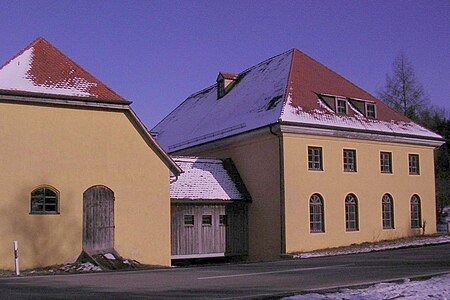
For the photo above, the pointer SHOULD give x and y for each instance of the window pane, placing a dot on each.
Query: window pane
(206, 220)
(314, 158)
(349, 160)
(316, 214)
(188, 219)
(386, 162)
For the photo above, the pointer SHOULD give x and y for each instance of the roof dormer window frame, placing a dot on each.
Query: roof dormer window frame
(225, 83)
(339, 109)
(370, 114)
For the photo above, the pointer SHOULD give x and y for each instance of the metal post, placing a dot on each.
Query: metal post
(16, 257)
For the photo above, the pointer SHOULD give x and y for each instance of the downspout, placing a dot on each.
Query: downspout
(279, 135)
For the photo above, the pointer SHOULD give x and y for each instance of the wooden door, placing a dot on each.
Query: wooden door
(98, 219)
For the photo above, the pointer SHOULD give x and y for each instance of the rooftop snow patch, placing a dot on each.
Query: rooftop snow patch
(207, 180)
(282, 89)
(43, 69)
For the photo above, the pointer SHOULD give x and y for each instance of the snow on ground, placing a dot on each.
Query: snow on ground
(386, 245)
(435, 288)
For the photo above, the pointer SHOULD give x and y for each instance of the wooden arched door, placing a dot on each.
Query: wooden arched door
(98, 219)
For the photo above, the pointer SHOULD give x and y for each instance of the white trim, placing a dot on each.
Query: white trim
(79, 103)
(361, 135)
(205, 255)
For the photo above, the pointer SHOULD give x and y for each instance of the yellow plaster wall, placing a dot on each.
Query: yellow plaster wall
(72, 150)
(257, 161)
(368, 184)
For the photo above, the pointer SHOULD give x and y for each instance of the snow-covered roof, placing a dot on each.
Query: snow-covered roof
(283, 89)
(207, 180)
(41, 68)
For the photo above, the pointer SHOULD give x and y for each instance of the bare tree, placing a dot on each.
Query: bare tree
(402, 91)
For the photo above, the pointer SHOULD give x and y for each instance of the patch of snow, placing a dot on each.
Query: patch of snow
(109, 256)
(317, 117)
(435, 288)
(88, 267)
(245, 107)
(17, 75)
(376, 247)
(203, 179)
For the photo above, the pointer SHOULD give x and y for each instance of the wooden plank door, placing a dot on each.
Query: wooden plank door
(98, 219)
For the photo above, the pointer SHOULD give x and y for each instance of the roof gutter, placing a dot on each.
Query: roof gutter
(324, 130)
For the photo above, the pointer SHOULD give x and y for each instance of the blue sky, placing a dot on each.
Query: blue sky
(157, 53)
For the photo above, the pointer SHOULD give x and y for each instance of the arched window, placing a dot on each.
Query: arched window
(351, 213)
(416, 214)
(388, 211)
(44, 200)
(316, 217)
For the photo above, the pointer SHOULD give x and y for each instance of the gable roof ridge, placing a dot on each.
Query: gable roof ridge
(351, 83)
(75, 64)
(288, 85)
(22, 51)
(82, 69)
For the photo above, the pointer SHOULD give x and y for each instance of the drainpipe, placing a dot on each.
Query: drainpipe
(282, 204)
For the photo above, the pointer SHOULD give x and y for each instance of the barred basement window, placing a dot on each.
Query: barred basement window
(188, 220)
(386, 162)
(413, 160)
(351, 213)
(349, 160)
(388, 211)
(207, 220)
(315, 158)
(316, 214)
(44, 200)
(415, 212)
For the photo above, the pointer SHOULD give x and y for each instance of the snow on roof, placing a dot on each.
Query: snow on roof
(207, 179)
(41, 68)
(282, 89)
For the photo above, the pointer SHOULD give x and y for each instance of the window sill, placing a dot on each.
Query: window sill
(44, 213)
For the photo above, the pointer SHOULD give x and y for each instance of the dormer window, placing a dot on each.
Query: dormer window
(225, 82)
(370, 111)
(367, 108)
(341, 106)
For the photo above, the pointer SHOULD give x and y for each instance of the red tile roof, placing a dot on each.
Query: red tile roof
(42, 68)
(230, 76)
(284, 89)
(308, 78)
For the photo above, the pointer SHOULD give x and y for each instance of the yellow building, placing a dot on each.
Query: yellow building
(326, 163)
(79, 171)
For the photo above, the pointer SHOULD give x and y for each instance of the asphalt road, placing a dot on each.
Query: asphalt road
(237, 281)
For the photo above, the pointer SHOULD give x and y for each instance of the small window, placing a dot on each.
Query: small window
(386, 162)
(351, 213)
(370, 111)
(315, 158)
(189, 220)
(416, 214)
(223, 220)
(413, 164)
(316, 215)
(207, 220)
(349, 160)
(341, 106)
(388, 212)
(44, 200)
(220, 88)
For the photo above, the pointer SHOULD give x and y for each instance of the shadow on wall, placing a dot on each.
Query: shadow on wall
(44, 239)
